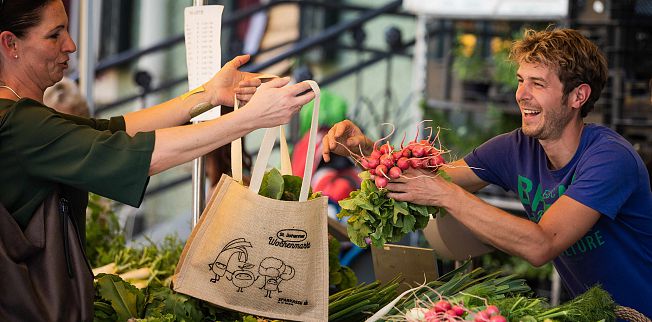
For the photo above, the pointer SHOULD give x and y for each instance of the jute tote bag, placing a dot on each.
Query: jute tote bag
(259, 255)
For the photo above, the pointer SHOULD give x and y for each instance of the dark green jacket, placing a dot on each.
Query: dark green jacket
(40, 148)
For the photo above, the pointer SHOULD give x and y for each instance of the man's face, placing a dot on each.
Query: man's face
(539, 97)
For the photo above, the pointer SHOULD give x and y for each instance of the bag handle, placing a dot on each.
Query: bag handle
(236, 154)
(268, 144)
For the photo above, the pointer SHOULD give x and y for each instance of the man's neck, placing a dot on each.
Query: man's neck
(561, 150)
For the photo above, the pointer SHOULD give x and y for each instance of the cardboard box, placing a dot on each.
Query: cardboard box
(452, 240)
(416, 265)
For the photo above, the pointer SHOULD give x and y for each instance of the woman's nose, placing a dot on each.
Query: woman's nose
(69, 45)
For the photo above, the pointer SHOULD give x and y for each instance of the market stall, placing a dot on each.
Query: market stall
(139, 283)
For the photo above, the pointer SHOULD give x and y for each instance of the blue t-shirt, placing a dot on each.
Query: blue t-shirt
(605, 174)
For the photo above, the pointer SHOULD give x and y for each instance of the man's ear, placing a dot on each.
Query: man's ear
(579, 95)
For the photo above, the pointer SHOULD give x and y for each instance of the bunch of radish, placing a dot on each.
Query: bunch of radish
(387, 163)
(490, 314)
(445, 311)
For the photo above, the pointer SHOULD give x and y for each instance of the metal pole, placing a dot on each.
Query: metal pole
(198, 172)
(87, 54)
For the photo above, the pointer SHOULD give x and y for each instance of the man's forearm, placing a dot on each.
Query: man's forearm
(507, 232)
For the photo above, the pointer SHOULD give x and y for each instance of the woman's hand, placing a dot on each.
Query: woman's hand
(230, 81)
(274, 103)
(343, 138)
(246, 89)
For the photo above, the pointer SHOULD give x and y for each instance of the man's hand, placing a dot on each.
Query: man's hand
(344, 138)
(230, 81)
(419, 186)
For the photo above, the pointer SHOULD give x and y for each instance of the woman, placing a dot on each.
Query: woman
(41, 149)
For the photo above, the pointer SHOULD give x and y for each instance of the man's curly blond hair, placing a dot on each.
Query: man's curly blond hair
(575, 58)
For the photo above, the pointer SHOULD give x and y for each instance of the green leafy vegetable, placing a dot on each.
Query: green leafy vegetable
(593, 305)
(283, 187)
(125, 299)
(342, 277)
(371, 214)
(272, 185)
(162, 301)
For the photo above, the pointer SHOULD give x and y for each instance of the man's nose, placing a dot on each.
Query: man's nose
(521, 92)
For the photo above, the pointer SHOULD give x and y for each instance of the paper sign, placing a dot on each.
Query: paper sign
(202, 29)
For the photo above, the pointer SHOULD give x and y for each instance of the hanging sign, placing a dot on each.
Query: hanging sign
(202, 28)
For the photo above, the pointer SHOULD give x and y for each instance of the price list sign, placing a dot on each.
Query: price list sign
(202, 28)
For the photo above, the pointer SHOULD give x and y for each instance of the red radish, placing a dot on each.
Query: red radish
(372, 172)
(381, 170)
(373, 162)
(407, 152)
(442, 306)
(482, 316)
(436, 161)
(498, 318)
(364, 163)
(451, 313)
(397, 155)
(387, 160)
(381, 182)
(432, 316)
(418, 151)
(492, 310)
(403, 163)
(395, 173)
(376, 154)
(385, 148)
(459, 311)
(416, 163)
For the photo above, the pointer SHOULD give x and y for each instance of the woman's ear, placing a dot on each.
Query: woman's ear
(579, 95)
(8, 43)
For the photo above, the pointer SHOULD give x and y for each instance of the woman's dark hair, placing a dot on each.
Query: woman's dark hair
(18, 16)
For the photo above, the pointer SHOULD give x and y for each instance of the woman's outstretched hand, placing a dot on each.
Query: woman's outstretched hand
(274, 103)
(229, 81)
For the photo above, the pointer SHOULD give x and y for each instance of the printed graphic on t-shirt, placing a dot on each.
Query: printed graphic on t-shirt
(537, 200)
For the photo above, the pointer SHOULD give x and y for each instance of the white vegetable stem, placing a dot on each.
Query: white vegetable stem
(391, 304)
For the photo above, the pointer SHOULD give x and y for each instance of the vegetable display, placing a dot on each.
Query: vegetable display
(135, 282)
(359, 302)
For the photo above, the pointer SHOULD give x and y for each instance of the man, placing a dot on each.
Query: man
(584, 188)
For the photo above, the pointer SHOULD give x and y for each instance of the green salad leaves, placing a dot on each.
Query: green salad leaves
(283, 187)
(371, 214)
